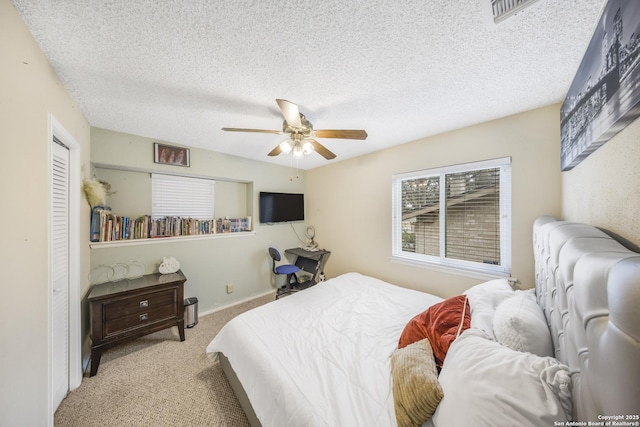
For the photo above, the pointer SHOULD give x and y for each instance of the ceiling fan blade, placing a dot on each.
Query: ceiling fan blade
(290, 112)
(341, 134)
(322, 150)
(275, 151)
(277, 132)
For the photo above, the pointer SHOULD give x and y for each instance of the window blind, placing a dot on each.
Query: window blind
(182, 196)
(420, 212)
(456, 215)
(472, 227)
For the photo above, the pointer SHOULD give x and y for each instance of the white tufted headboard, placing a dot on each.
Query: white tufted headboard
(588, 285)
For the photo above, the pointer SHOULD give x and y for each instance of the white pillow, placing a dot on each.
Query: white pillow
(519, 323)
(488, 384)
(483, 300)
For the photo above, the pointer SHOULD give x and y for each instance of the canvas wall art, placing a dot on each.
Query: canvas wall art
(605, 93)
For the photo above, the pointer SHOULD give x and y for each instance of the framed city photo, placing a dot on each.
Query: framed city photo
(169, 155)
(604, 95)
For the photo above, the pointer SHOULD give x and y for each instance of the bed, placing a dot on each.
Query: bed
(357, 351)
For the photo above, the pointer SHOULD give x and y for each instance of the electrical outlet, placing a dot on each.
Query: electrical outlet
(229, 288)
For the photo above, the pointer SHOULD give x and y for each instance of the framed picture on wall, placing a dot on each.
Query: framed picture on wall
(605, 93)
(169, 155)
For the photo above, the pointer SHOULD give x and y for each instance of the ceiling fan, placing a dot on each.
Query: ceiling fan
(301, 133)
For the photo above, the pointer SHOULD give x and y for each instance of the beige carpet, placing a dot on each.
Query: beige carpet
(159, 381)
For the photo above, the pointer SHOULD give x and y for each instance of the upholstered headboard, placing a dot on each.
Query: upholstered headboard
(588, 285)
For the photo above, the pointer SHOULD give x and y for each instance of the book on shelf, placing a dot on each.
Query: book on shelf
(107, 226)
(96, 222)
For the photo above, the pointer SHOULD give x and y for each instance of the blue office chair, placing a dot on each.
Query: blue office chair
(289, 270)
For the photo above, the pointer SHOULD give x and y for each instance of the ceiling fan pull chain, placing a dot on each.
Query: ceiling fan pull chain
(297, 169)
(291, 168)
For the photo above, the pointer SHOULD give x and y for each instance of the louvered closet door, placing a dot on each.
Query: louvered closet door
(60, 271)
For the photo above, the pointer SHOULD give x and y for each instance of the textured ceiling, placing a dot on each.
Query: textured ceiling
(179, 71)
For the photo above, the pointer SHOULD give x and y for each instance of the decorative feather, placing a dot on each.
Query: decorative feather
(95, 192)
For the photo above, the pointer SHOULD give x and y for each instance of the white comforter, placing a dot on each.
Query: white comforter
(321, 357)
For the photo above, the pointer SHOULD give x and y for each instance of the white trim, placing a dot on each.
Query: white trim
(441, 262)
(157, 240)
(75, 344)
(185, 178)
(181, 173)
(462, 167)
(442, 218)
(451, 269)
(505, 215)
(223, 307)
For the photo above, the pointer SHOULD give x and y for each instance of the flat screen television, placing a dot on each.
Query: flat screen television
(281, 207)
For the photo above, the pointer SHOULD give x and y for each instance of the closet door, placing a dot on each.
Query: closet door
(59, 250)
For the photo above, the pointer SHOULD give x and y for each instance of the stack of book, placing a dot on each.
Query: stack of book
(107, 227)
(233, 225)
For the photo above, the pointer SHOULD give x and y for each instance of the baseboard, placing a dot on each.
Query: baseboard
(85, 363)
(86, 351)
(222, 307)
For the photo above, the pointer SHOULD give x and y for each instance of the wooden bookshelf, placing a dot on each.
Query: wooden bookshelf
(160, 240)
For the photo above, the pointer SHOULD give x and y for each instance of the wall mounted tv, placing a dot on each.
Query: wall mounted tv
(281, 207)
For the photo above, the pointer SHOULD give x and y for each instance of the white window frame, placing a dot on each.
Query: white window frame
(455, 265)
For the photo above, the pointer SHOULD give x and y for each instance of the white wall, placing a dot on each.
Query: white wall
(29, 92)
(208, 264)
(604, 189)
(131, 194)
(350, 201)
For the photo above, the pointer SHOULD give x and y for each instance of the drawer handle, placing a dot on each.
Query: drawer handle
(144, 317)
(144, 303)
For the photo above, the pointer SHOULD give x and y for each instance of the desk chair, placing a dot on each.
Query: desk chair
(289, 270)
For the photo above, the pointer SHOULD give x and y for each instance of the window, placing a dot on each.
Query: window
(456, 216)
(182, 196)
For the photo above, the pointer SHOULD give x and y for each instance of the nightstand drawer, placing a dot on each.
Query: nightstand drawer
(139, 304)
(138, 320)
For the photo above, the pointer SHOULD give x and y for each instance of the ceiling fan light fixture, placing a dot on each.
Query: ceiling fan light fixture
(307, 148)
(301, 133)
(285, 146)
(298, 152)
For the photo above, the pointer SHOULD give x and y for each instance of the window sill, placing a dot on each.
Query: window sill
(453, 270)
(157, 240)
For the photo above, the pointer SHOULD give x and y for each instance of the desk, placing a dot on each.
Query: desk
(311, 262)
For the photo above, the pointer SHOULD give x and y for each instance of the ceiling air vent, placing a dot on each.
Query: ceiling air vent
(502, 9)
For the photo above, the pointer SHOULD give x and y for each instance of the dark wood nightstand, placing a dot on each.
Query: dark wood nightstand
(131, 308)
